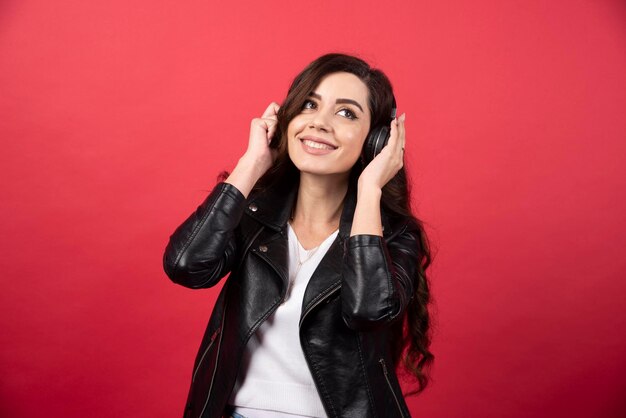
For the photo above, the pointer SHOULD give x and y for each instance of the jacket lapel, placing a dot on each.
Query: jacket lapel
(272, 209)
(327, 275)
(273, 248)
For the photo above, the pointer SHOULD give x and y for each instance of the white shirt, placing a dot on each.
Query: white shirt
(274, 376)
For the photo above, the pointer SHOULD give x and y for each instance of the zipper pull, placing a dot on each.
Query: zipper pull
(382, 363)
(214, 335)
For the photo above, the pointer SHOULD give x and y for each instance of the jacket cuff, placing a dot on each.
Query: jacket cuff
(229, 190)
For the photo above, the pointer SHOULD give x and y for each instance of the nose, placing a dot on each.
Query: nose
(320, 121)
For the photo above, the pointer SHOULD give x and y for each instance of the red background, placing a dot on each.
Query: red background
(117, 116)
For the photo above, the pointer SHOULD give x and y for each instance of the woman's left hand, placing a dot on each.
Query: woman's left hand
(390, 160)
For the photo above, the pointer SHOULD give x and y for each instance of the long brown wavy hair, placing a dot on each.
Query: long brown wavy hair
(410, 337)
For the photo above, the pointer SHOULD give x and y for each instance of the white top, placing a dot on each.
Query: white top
(274, 378)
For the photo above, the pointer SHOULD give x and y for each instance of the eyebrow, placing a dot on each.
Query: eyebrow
(339, 101)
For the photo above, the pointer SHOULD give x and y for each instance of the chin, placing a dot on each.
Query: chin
(317, 169)
(322, 165)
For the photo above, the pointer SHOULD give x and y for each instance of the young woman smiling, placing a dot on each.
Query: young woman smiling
(327, 294)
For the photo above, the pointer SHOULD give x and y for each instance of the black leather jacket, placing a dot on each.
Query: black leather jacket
(360, 287)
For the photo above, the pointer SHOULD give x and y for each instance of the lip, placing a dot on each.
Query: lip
(316, 139)
(316, 151)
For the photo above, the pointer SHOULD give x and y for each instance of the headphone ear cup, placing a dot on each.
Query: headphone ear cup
(374, 143)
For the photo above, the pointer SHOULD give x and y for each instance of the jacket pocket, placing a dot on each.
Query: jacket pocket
(383, 365)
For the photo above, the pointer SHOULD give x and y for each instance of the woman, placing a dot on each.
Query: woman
(327, 292)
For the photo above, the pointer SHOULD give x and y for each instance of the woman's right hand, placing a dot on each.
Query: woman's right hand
(259, 157)
(261, 132)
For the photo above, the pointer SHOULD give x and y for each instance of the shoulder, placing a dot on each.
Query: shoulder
(270, 207)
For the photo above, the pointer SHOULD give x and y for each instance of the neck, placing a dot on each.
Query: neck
(320, 200)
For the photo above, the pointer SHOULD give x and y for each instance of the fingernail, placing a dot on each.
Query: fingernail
(402, 117)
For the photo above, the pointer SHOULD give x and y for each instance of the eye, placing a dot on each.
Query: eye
(309, 104)
(347, 113)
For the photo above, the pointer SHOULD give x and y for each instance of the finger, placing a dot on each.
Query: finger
(401, 131)
(269, 122)
(271, 111)
(393, 135)
(271, 130)
(263, 124)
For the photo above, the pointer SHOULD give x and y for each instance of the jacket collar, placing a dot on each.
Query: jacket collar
(272, 208)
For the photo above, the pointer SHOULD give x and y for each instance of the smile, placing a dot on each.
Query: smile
(316, 146)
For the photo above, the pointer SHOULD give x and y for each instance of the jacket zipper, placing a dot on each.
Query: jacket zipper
(386, 373)
(322, 299)
(217, 331)
(217, 358)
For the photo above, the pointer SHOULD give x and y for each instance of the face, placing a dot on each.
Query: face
(328, 134)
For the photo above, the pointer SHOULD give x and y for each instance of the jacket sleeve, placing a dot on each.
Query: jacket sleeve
(202, 250)
(378, 278)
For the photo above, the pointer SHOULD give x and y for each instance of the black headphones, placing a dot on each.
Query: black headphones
(377, 138)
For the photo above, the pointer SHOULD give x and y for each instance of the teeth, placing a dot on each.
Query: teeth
(317, 145)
